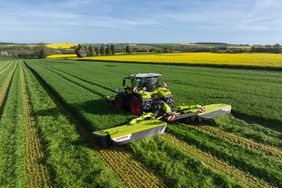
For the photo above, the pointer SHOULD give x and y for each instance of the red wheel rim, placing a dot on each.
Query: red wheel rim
(135, 108)
(118, 103)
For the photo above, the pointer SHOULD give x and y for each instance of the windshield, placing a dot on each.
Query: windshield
(150, 83)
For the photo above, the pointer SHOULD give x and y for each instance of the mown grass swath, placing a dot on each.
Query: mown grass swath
(253, 131)
(176, 167)
(242, 178)
(70, 160)
(38, 174)
(12, 139)
(254, 162)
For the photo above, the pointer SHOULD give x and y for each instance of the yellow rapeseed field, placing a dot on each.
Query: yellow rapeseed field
(65, 46)
(62, 56)
(244, 59)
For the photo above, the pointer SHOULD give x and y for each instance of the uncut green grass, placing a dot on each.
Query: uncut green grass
(70, 160)
(103, 115)
(12, 138)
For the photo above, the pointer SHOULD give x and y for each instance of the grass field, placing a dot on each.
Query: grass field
(49, 108)
(244, 59)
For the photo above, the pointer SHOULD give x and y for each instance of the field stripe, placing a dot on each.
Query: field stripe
(216, 164)
(2, 65)
(6, 68)
(121, 160)
(38, 173)
(268, 150)
(5, 89)
(84, 80)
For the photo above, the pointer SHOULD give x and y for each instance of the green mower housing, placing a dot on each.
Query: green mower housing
(143, 126)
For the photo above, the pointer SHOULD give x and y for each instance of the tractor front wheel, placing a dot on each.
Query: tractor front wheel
(120, 101)
(136, 106)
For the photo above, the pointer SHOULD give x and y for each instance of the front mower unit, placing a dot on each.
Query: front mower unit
(143, 126)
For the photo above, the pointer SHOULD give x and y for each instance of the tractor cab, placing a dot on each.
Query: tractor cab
(143, 93)
(143, 81)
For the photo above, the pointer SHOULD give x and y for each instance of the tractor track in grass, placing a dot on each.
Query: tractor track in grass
(5, 89)
(120, 159)
(216, 164)
(249, 144)
(38, 175)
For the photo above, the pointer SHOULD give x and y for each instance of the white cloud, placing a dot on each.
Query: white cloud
(265, 15)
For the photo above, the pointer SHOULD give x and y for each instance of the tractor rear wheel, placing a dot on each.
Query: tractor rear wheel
(120, 101)
(136, 106)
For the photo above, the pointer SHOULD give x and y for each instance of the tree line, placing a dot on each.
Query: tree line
(86, 51)
(38, 51)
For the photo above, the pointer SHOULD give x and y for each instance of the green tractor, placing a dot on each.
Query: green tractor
(143, 93)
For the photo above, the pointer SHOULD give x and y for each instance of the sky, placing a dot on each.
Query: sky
(141, 21)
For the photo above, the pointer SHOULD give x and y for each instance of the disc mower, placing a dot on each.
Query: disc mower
(153, 105)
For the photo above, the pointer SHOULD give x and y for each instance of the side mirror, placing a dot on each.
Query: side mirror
(116, 90)
(123, 82)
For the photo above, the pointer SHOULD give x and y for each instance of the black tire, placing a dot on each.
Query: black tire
(120, 101)
(135, 105)
(103, 141)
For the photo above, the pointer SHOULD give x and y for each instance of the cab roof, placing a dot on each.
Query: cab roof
(144, 75)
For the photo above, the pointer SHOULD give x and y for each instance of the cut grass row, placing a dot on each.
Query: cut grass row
(212, 162)
(248, 143)
(179, 169)
(256, 163)
(142, 176)
(252, 131)
(12, 138)
(70, 161)
(38, 174)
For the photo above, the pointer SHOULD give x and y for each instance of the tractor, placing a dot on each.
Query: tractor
(152, 103)
(143, 93)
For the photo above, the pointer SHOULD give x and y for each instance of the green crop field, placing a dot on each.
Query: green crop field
(49, 109)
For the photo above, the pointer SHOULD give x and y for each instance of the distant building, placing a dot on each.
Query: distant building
(4, 53)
